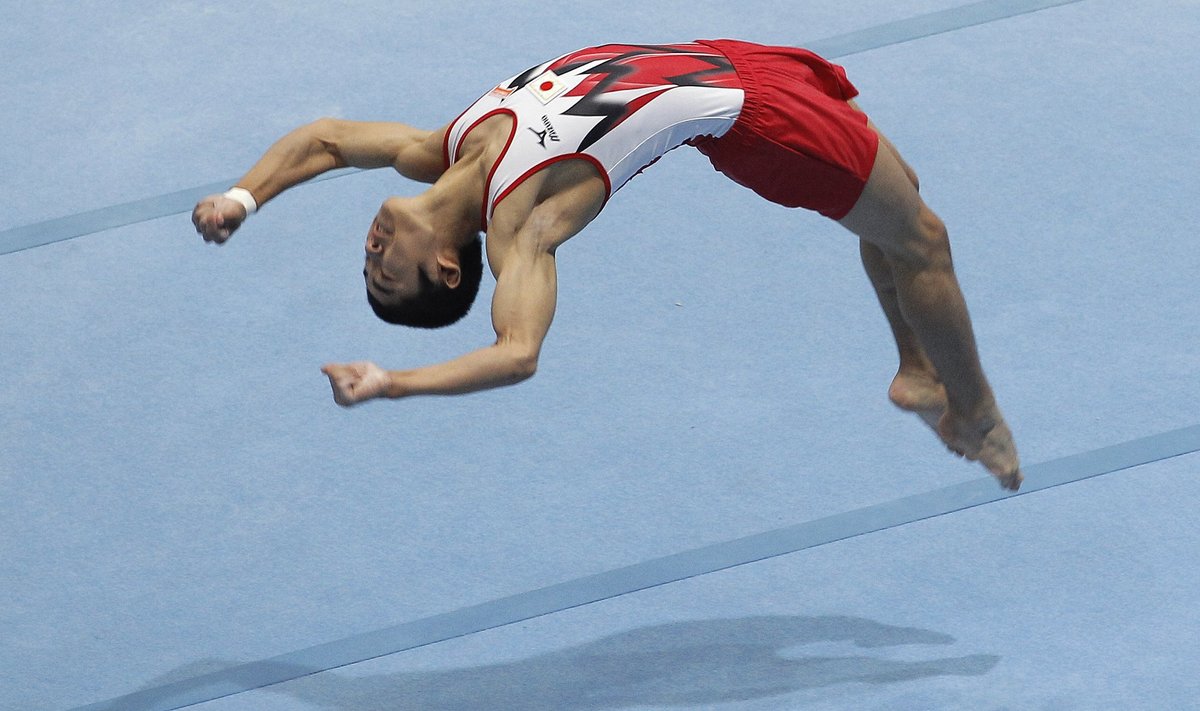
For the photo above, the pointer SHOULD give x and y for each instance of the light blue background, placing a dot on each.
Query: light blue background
(179, 495)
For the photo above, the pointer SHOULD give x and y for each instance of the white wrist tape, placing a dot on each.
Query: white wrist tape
(243, 196)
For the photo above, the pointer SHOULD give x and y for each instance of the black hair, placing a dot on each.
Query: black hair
(437, 305)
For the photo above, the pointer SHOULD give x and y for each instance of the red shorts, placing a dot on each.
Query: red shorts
(796, 142)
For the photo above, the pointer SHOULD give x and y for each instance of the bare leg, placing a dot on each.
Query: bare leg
(916, 387)
(928, 311)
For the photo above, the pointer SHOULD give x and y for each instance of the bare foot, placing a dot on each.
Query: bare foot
(920, 392)
(987, 441)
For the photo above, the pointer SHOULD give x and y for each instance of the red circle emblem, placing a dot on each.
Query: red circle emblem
(546, 86)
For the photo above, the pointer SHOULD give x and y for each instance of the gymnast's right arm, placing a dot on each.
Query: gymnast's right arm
(308, 151)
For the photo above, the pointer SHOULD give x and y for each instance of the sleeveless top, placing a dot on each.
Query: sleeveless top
(621, 107)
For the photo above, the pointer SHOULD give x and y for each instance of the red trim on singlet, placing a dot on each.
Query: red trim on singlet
(487, 186)
(547, 163)
(446, 162)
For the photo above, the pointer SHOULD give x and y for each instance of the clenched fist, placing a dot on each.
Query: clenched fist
(356, 382)
(216, 217)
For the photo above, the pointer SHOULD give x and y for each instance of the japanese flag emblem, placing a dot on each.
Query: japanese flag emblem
(547, 87)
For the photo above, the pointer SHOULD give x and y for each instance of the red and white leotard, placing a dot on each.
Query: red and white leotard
(619, 106)
(777, 120)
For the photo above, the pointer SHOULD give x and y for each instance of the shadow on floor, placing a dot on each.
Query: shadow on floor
(686, 664)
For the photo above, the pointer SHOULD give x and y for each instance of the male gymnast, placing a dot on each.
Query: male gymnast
(534, 160)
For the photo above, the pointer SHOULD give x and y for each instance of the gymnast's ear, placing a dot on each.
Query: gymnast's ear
(449, 270)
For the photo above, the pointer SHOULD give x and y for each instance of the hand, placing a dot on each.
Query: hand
(356, 382)
(216, 217)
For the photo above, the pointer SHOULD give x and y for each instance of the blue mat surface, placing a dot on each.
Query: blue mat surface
(181, 500)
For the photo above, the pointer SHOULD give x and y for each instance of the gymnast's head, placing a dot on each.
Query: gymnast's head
(418, 274)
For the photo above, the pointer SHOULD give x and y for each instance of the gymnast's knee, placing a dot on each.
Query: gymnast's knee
(928, 243)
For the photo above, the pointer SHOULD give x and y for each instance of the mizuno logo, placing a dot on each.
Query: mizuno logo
(548, 133)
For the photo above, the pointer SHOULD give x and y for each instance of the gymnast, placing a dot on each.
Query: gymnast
(536, 159)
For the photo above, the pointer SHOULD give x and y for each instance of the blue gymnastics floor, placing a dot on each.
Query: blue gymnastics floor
(186, 518)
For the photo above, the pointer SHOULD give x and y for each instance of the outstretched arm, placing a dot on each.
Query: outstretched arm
(318, 147)
(522, 309)
(523, 237)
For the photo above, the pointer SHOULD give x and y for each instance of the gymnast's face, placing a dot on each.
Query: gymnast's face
(393, 256)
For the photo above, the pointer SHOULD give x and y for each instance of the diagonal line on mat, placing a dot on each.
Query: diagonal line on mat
(648, 574)
(928, 25)
(39, 234)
